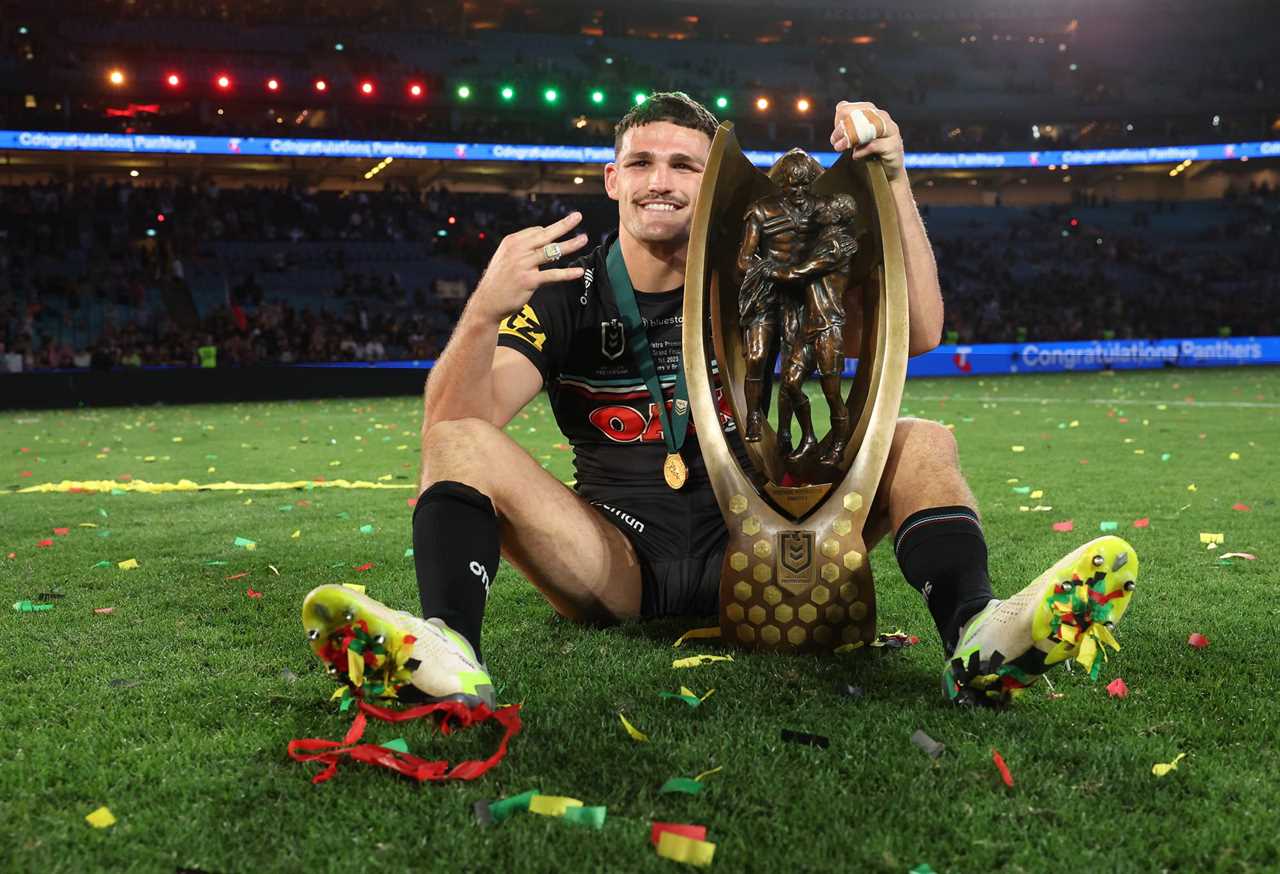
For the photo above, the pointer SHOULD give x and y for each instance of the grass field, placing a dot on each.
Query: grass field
(175, 709)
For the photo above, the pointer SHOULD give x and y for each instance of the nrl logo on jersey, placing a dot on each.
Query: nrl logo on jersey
(612, 339)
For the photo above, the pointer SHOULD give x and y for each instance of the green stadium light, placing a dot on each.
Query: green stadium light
(722, 102)
(551, 95)
(597, 97)
(464, 92)
(507, 92)
(640, 97)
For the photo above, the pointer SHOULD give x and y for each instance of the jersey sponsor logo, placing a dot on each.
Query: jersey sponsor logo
(588, 276)
(623, 423)
(612, 339)
(526, 326)
(626, 517)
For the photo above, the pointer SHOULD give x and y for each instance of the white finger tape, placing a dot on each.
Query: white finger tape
(864, 127)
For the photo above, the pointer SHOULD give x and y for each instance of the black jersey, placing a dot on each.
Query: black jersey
(572, 333)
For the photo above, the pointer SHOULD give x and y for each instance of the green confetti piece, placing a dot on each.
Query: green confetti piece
(408, 553)
(366, 529)
(681, 784)
(104, 533)
(922, 869)
(1108, 526)
(285, 508)
(500, 810)
(102, 513)
(1165, 456)
(691, 700)
(344, 515)
(398, 745)
(244, 542)
(103, 563)
(116, 491)
(215, 563)
(592, 817)
(28, 607)
(1022, 490)
(211, 458)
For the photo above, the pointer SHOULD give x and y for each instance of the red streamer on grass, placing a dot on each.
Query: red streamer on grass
(695, 832)
(368, 565)
(1002, 768)
(251, 593)
(1198, 640)
(332, 752)
(1144, 522)
(1117, 688)
(46, 543)
(61, 532)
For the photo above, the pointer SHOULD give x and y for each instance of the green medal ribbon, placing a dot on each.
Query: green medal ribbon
(676, 425)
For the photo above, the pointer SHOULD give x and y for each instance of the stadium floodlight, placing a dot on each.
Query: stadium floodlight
(762, 103)
(322, 85)
(722, 102)
(640, 97)
(802, 105)
(337, 47)
(223, 81)
(551, 95)
(507, 93)
(464, 92)
(597, 97)
(366, 88)
(415, 89)
(273, 84)
(173, 80)
(116, 77)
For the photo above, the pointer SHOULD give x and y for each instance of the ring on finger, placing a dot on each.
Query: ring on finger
(551, 252)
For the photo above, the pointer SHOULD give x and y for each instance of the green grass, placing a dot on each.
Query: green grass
(189, 752)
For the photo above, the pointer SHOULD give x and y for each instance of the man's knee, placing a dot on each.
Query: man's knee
(924, 440)
(460, 449)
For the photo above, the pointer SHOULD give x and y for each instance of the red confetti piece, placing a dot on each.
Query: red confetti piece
(1084, 461)
(46, 543)
(239, 576)
(13, 555)
(695, 832)
(25, 473)
(251, 593)
(1240, 508)
(126, 477)
(302, 503)
(1002, 768)
(62, 532)
(1117, 689)
(23, 449)
(1123, 420)
(412, 502)
(368, 565)
(1198, 640)
(1144, 522)
(1068, 525)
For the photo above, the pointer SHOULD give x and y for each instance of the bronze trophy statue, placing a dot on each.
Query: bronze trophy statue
(778, 264)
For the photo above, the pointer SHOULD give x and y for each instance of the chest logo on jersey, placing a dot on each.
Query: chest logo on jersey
(613, 340)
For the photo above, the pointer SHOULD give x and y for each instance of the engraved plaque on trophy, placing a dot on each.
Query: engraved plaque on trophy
(776, 262)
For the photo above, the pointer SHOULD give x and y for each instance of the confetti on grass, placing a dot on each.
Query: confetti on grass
(101, 818)
(1161, 768)
(679, 848)
(927, 744)
(29, 607)
(1117, 688)
(696, 661)
(636, 734)
(1197, 640)
(683, 785)
(712, 633)
(693, 832)
(1066, 525)
(1002, 768)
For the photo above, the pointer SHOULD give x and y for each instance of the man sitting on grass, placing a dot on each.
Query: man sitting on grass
(625, 542)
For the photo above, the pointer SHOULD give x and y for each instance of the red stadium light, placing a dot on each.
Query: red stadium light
(160, 217)
(273, 84)
(366, 88)
(322, 85)
(223, 81)
(1075, 222)
(415, 90)
(173, 80)
(453, 219)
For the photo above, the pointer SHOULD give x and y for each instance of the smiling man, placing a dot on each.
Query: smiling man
(640, 534)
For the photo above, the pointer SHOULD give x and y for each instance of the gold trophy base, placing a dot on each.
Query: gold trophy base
(795, 588)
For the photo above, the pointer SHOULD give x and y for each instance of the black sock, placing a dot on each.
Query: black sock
(943, 555)
(455, 552)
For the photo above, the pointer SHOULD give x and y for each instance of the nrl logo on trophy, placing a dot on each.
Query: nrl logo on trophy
(789, 273)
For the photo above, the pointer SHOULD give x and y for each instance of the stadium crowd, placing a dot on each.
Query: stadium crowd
(132, 275)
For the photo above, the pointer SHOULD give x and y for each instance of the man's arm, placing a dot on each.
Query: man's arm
(924, 295)
(750, 241)
(472, 378)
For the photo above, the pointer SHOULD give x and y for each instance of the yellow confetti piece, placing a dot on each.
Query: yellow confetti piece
(636, 734)
(212, 470)
(1018, 448)
(850, 647)
(248, 501)
(1162, 768)
(1037, 494)
(711, 633)
(552, 805)
(355, 587)
(295, 535)
(101, 818)
(149, 458)
(1235, 456)
(128, 564)
(1023, 509)
(1139, 452)
(87, 525)
(385, 478)
(708, 773)
(696, 661)
(338, 693)
(1075, 423)
(678, 848)
(355, 668)
(1211, 537)
(1012, 481)
(177, 439)
(1191, 488)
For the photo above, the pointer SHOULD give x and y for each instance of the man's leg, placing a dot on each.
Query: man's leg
(757, 344)
(581, 563)
(939, 541)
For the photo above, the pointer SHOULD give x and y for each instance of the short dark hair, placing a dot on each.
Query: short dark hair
(673, 106)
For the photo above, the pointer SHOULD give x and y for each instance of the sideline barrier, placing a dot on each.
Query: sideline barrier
(188, 385)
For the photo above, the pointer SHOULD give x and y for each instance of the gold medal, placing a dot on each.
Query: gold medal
(675, 471)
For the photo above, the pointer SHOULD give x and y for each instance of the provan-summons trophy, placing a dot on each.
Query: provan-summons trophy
(786, 270)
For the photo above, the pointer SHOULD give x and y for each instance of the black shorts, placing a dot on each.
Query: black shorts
(679, 538)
